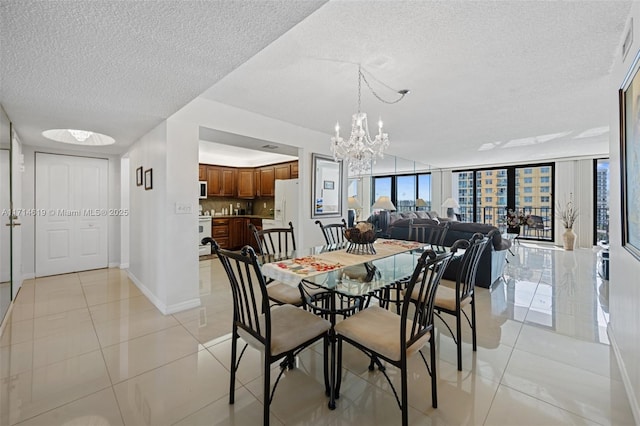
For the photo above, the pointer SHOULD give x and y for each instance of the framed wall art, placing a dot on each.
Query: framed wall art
(139, 177)
(629, 99)
(148, 179)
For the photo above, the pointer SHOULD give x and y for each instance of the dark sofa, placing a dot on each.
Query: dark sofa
(493, 259)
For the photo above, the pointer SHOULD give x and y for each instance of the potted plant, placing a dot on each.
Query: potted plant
(568, 214)
(515, 220)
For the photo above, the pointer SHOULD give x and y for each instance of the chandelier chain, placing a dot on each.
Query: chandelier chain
(359, 88)
(363, 77)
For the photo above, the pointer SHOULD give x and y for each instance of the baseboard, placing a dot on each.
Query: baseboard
(631, 395)
(124, 266)
(113, 265)
(182, 306)
(28, 276)
(162, 307)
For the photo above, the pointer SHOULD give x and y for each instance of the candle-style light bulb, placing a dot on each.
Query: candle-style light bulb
(337, 129)
(380, 126)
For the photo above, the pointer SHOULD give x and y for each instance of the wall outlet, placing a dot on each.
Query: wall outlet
(265, 205)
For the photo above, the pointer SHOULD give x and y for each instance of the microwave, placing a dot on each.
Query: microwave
(203, 188)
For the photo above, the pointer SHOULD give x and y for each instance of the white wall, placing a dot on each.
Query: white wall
(28, 202)
(163, 258)
(624, 287)
(574, 180)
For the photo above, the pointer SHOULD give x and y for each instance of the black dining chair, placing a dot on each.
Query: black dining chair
(278, 242)
(429, 233)
(453, 296)
(279, 332)
(385, 335)
(333, 233)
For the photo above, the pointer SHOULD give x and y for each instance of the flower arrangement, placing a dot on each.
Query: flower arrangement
(515, 219)
(567, 214)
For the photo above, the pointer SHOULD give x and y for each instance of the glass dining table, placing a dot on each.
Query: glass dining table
(334, 282)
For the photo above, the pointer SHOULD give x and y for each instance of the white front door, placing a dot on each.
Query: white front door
(71, 228)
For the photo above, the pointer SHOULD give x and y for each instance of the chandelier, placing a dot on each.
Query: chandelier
(360, 151)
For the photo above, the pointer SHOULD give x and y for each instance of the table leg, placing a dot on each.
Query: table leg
(332, 342)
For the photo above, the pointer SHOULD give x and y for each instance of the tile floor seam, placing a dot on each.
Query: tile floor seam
(156, 367)
(59, 406)
(203, 407)
(551, 404)
(136, 337)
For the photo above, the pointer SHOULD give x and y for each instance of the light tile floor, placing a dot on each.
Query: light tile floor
(89, 349)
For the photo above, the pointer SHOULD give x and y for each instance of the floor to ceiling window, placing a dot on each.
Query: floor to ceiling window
(601, 197)
(485, 195)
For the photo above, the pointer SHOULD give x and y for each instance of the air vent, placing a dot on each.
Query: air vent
(269, 146)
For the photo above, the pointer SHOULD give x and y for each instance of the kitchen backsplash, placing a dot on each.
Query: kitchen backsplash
(219, 203)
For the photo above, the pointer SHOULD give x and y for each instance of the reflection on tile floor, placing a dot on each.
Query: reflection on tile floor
(88, 348)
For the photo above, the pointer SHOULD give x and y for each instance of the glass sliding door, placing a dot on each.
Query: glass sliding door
(533, 185)
(485, 195)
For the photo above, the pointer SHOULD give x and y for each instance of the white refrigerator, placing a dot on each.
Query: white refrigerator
(285, 205)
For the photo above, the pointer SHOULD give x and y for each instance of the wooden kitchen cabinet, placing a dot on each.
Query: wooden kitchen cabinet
(228, 187)
(267, 181)
(221, 181)
(214, 180)
(246, 183)
(202, 172)
(237, 232)
(220, 232)
(282, 171)
(294, 170)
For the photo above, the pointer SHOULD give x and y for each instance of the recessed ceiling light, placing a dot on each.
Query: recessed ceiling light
(78, 137)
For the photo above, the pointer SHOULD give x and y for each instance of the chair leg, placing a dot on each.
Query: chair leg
(473, 323)
(404, 390)
(334, 380)
(325, 359)
(459, 337)
(267, 390)
(434, 382)
(234, 351)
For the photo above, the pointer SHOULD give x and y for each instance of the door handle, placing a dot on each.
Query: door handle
(13, 224)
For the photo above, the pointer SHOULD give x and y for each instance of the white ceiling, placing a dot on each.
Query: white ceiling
(122, 67)
(491, 82)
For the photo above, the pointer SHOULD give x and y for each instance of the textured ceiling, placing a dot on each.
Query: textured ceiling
(121, 67)
(491, 82)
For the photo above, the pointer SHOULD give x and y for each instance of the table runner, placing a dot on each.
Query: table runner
(292, 271)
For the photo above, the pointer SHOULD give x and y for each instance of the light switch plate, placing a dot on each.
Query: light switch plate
(183, 208)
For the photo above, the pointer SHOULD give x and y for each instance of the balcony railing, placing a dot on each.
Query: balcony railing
(497, 216)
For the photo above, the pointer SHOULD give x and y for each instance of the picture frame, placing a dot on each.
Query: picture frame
(326, 186)
(139, 178)
(629, 106)
(148, 179)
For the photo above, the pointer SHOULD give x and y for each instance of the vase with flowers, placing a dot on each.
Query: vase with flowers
(516, 219)
(568, 214)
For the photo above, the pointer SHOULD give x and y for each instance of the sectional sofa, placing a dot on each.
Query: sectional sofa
(493, 260)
